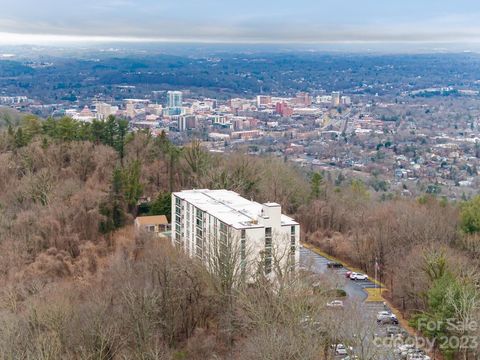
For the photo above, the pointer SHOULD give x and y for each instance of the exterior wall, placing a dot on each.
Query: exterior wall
(155, 228)
(198, 232)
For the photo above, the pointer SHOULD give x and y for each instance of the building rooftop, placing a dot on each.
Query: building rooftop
(152, 220)
(229, 207)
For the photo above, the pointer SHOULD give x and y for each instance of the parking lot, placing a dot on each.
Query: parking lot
(355, 292)
(318, 264)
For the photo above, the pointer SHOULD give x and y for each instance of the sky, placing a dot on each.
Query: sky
(240, 21)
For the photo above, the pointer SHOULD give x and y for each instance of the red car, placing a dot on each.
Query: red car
(347, 274)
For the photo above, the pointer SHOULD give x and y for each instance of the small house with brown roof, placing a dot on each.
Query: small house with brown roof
(156, 224)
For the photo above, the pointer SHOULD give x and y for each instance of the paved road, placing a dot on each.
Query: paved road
(318, 264)
(354, 289)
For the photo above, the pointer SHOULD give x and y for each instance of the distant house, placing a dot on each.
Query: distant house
(156, 224)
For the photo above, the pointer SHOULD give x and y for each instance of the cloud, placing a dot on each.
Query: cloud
(263, 21)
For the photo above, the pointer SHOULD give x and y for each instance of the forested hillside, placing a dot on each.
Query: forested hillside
(77, 283)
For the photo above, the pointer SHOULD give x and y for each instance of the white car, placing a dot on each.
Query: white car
(382, 315)
(417, 354)
(358, 276)
(335, 303)
(385, 317)
(340, 349)
(417, 357)
(409, 353)
(403, 349)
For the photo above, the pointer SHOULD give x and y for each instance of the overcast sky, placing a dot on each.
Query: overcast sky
(273, 21)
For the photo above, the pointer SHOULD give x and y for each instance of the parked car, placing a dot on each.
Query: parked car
(390, 320)
(385, 317)
(335, 304)
(409, 353)
(402, 350)
(339, 349)
(417, 356)
(334, 265)
(347, 274)
(358, 276)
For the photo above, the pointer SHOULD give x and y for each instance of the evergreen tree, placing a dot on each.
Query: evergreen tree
(316, 183)
(20, 139)
(162, 205)
(97, 131)
(121, 133)
(113, 209)
(132, 187)
(110, 131)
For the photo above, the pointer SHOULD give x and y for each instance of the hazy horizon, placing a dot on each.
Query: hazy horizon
(118, 48)
(350, 23)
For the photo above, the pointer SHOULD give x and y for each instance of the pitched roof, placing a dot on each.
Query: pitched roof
(152, 220)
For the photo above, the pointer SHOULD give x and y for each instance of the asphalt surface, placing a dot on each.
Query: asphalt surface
(318, 264)
(354, 289)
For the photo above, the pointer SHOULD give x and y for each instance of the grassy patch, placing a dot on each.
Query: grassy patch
(374, 294)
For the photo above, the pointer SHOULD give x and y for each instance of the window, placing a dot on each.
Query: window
(243, 250)
(178, 238)
(199, 252)
(292, 261)
(293, 239)
(268, 264)
(293, 248)
(223, 227)
(199, 248)
(199, 233)
(223, 250)
(268, 250)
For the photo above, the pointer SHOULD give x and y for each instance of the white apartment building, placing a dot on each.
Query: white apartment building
(204, 219)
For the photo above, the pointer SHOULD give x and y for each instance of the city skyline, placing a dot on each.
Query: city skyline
(213, 21)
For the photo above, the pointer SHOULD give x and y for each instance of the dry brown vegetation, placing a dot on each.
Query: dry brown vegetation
(397, 233)
(147, 301)
(72, 290)
(49, 206)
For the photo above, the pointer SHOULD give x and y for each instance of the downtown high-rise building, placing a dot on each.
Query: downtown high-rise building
(174, 99)
(336, 98)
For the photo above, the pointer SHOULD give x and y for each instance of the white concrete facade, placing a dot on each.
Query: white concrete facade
(203, 219)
